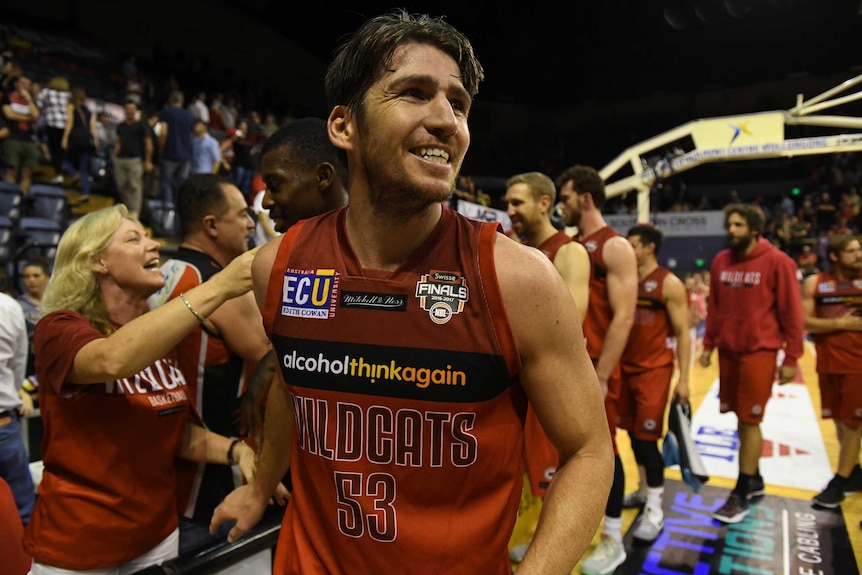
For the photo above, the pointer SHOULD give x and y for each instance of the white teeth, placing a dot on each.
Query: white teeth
(433, 153)
(152, 263)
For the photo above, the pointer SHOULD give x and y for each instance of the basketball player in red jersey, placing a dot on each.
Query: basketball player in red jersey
(530, 197)
(831, 302)
(611, 312)
(407, 347)
(661, 325)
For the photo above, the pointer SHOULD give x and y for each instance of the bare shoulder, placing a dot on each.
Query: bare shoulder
(617, 247)
(520, 267)
(574, 248)
(809, 284)
(261, 268)
(672, 285)
(265, 258)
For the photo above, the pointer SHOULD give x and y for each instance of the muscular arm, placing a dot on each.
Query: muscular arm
(676, 301)
(573, 263)
(150, 336)
(622, 266)
(560, 382)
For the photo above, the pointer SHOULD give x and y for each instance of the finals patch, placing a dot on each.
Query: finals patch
(309, 294)
(442, 294)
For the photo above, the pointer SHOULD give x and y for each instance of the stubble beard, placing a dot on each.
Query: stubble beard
(401, 198)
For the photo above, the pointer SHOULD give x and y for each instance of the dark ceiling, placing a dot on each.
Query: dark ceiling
(546, 54)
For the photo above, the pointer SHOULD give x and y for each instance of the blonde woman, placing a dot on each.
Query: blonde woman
(113, 401)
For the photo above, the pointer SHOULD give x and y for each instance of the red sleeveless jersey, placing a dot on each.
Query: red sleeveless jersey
(406, 454)
(599, 312)
(552, 245)
(650, 342)
(838, 351)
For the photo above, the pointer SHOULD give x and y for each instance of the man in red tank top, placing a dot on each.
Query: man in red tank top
(610, 315)
(407, 350)
(832, 303)
(661, 326)
(530, 198)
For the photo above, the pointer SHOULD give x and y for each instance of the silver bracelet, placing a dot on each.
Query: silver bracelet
(191, 309)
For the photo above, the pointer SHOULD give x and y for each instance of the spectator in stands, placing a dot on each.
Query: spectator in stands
(800, 235)
(206, 155)
(14, 404)
(270, 125)
(80, 138)
(199, 109)
(19, 149)
(243, 163)
(11, 70)
(107, 134)
(151, 179)
(175, 147)
(4, 133)
(35, 276)
(53, 101)
(132, 157)
(114, 403)
(807, 261)
(826, 214)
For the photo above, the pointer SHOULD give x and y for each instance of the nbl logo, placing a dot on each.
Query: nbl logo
(442, 295)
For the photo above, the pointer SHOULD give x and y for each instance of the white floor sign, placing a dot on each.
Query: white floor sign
(793, 450)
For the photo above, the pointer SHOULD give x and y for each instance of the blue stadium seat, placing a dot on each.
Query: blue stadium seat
(47, 201)
(11, 198)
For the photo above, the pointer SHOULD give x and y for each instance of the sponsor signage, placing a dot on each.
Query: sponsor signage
(674, 224)
(484, 214)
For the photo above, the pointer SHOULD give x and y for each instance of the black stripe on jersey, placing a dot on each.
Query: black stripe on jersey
(402, 372)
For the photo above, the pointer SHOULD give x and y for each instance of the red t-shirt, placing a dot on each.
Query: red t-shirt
(107, 491)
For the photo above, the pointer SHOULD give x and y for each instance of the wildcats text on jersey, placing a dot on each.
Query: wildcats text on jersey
(346, 432)
(309, 293)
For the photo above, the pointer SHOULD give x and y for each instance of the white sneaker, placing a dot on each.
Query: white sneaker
(516, 553)
(648, 525)
(608, 555)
